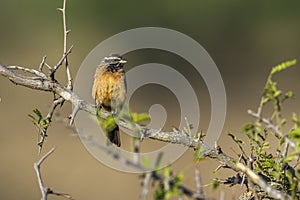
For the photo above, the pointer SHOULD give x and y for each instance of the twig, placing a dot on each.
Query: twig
(60, 62)
(42, 63)
(43, 136)
(146, 183)
(200, 191)
(171, 182)
(275, 128)
(234, 180)
(66, 32)
(77, 107)
(260, 182)
(37, 167)
(32, 71)
(45, 190)
(136, 150)
(266, 121)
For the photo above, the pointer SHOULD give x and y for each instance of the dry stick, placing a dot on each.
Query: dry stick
(60, 62)
(42, 63)
(45, 190)
(32, 71)
(37, 167)
(69, 77)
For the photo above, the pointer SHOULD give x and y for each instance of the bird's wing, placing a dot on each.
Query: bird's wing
(99, 71)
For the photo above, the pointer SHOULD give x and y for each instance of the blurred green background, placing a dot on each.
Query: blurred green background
(245, 39)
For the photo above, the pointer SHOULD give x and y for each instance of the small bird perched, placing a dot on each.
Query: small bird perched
(109, 90)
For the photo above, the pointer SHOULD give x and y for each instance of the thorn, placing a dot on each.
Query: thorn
(75, 111)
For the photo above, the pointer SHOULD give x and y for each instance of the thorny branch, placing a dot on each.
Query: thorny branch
(43, 133)
(66, 32)
(45, 190)
(176, 137)
(259, 181)
(40, 81)
(57, 100)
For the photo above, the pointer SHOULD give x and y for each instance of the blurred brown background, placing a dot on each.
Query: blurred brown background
(245, 39)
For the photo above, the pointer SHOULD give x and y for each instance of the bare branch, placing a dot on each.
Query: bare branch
(42, 63)
(69, 77)
(32, 71)
(146, 183)
(43, 136)
(37, 167)
(266, 121)
(60, 62)
(200, 191)
(45, 190)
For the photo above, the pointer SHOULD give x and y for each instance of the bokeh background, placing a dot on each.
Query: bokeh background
(245, 39)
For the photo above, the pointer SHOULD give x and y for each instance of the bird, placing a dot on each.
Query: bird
(109, 90)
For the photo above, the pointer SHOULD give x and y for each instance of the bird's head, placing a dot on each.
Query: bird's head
(114, 62)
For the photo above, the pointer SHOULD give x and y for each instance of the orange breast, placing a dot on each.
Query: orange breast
(106, 86)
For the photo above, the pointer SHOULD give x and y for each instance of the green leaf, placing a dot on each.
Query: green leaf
(247, 127)
(159, 192)
(38, 121)
(38, 113)
(265, 100)
(109, 124)
(158, 160)
(295, 134)
(296, 120)
(290, 157)
(167, 172)
(282, 122)
(179, 177)
(137, 118)
(289, 94)
(215, 184)
(283, 66)
(277, 93)
(33, 119)
(235, 139)
(146, 162)
(198, 153)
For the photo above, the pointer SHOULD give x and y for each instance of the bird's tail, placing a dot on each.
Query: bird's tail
(114, 136)
(111, 128)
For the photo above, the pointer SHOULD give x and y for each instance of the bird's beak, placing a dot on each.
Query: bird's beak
(123, 61)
